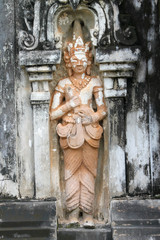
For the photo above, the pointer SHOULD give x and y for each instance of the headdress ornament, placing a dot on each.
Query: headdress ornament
(78, 48)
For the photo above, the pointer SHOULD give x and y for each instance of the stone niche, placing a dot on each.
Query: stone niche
(40, 57)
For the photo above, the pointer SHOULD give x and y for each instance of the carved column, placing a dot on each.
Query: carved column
(39, 76)
(117, 67)
(40, 66)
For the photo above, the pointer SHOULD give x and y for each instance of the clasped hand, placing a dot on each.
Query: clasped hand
(85, 119)
(75, 102)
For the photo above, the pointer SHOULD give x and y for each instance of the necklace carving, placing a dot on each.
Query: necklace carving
(80, 83)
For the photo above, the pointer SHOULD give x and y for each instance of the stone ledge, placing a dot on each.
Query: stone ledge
(84, 234)
(40, 77)
(115, 93)
(40, 96)
(135, 219)
(117, 55)
(31, 58)
(28, 220)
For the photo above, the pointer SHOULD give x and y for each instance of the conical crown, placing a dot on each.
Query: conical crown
(77, 47)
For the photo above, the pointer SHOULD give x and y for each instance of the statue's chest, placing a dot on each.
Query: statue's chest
(85, 94)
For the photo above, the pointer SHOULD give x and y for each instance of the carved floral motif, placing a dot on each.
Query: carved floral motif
(41, 33)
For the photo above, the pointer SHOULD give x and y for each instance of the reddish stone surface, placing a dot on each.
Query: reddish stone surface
(79, 131)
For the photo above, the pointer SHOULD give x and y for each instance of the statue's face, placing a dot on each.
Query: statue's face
(79, 63)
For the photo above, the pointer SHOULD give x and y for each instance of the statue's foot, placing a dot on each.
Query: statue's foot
(73, 220)
(73, 217)
(88, 221)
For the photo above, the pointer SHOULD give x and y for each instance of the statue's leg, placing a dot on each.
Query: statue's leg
(86, 192)
(86, 200)
(88, 172)
(73, 160)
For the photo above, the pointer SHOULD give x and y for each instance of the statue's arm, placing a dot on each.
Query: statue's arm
(59, 107)
(101, 106)
(100, 103)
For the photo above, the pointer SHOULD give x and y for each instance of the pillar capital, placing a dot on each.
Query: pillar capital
(117, 64)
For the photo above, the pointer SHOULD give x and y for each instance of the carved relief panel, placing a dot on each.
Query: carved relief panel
(84, 176)
(44, 21)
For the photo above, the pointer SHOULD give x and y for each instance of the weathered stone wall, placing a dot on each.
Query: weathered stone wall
(135, 128)
(143, 115)
(129, 168)
(8, 125)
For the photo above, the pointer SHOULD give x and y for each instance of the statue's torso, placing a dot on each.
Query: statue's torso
(85, 94)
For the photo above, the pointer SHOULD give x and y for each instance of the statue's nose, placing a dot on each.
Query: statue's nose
(79, 62)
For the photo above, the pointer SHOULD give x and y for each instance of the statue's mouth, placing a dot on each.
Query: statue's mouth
(80, 68)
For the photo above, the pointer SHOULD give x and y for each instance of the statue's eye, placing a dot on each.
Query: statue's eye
(84, 60)
(73, 60)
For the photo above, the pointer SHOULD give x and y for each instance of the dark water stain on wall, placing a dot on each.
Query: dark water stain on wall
(7, 88)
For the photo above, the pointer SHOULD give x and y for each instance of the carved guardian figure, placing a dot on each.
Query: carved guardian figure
(79, 130)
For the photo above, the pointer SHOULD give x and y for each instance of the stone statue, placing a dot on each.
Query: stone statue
(79, 130)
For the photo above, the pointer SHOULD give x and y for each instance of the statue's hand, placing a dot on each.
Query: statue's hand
(86, 119)
(74, 102)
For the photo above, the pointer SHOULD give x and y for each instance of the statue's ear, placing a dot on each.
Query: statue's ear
(68, 65)
(88, 70)
(66, 57)
(69, 71)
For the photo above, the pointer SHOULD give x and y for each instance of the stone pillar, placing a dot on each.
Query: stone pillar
(116, 66)
(39, 66)
(40, 99)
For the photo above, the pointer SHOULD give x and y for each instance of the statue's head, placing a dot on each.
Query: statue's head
(77, 55)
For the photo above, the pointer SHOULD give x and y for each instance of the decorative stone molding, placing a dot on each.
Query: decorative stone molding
(36, 58)
(117, 65)
(28, 41)
(110, 27)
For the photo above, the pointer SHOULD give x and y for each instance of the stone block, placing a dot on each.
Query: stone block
(118, 74)
(39, 57)
(122, 83)
(41, 77)
(114, 93)
(28, 220)
(118, 55)
(135, 219)
(116, 67)
(108, 83)
(40, 96)
(84, 234)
